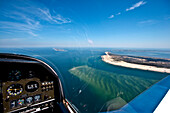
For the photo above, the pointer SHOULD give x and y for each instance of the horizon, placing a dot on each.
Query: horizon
(103, 24)
(116, 48)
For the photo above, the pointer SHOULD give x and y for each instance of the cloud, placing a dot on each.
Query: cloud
(21, 22)
(147, 22)
(28, 17)
(90, 41)
(56, 18)
(140, 3)
(18, 26)
(33, 34)
(118, 13)
(111, 16)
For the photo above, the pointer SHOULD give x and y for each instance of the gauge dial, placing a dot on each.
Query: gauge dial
(20, 102)
(15, 89)
(29, 100)
(15, 75)
(37, 98)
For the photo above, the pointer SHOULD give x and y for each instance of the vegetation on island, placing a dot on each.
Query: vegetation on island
(150, 61)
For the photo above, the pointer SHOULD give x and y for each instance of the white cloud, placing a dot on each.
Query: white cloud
(118, 13)
(136, 5)
(90, 41)
(45, 14)
(60, 19)
(148, 22)
(19, 27)
(29, 17)
(33, 34)
(111, 16)
(140, 3)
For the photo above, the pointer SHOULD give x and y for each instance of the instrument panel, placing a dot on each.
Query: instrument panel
(18, 94)
(28, 86)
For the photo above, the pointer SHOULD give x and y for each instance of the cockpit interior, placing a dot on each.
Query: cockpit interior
(30, 85)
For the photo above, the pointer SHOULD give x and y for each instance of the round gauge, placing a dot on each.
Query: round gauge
(31, 86)
(15, 75)
(29, 100)
(31, 74)
(15, 89)
(37, 98)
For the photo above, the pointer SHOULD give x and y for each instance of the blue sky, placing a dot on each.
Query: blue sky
(85, 23)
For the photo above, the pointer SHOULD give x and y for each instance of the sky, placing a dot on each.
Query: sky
(85, 23)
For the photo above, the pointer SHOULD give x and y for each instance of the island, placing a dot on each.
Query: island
(138, 62)
(58, 49)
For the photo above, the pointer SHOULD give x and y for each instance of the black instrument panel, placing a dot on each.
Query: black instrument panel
(28, 85)
(18, 94)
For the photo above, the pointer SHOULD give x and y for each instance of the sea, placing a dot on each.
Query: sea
(91, 84)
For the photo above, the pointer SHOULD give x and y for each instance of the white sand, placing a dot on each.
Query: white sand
(107, 58)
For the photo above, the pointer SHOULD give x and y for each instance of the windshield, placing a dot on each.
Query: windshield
(106, 52)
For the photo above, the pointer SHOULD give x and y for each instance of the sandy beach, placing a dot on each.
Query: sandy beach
(107, 58)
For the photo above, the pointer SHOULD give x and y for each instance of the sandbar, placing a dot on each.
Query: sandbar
(108, 59)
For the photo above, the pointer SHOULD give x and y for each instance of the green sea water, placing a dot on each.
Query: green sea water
(91, 84)
(110, 85)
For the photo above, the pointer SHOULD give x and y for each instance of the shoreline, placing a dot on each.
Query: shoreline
(107, 58)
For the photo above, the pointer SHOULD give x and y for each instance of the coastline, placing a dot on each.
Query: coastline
(107, 58)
